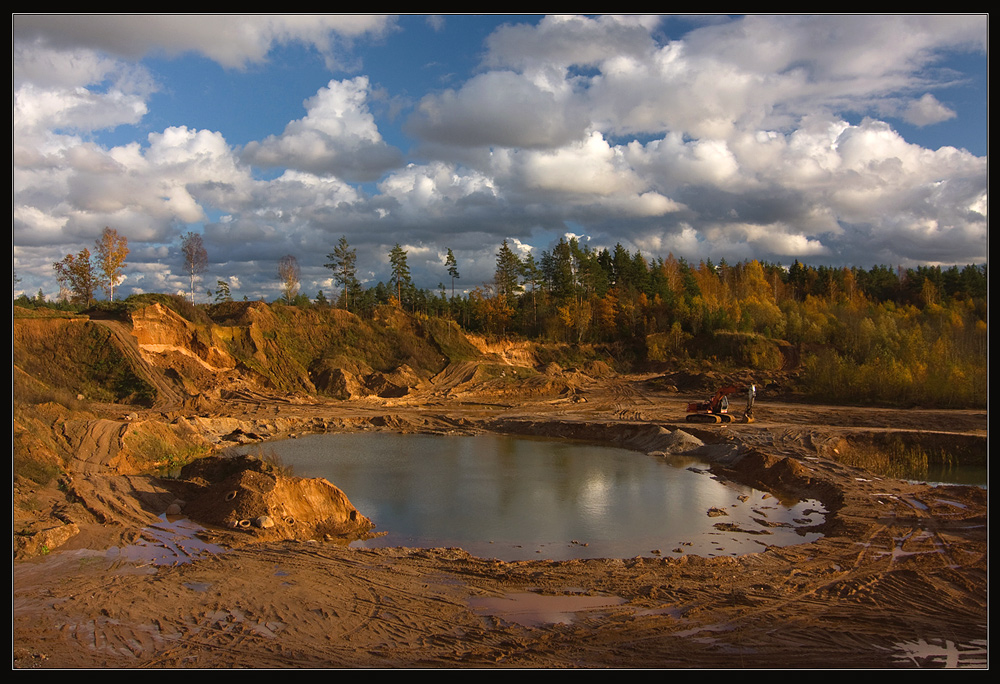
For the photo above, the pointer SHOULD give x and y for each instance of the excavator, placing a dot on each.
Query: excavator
(716, 409)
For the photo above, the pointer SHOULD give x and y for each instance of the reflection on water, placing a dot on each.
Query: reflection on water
(517, 499)
(974, 475)
(169, 542)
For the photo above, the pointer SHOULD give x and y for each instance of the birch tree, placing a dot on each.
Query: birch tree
(288, 274)
(111, 249)
(195, 257)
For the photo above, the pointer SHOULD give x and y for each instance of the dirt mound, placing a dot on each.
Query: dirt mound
(248, 494)
(598, 369)
(510, 352)
(398, 383)
(82, 357)
(163, 357)
(680, 442)
(342, 383)
(158, 329)
(491, 381)
(337, 382)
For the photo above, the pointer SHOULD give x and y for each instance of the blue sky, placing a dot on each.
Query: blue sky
(835, 139)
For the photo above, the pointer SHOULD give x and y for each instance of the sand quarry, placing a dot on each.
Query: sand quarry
(899, 578)
(241, 564)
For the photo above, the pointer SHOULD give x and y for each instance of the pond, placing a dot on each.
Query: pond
(520, 498)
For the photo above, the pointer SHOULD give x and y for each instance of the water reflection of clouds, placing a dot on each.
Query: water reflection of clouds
(595, 497)
(528, 495)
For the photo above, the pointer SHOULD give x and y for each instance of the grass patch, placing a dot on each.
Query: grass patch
(275, 462)
(39, 472)
(907, 457)
(265, 454)
(179, 305)
(159, 451)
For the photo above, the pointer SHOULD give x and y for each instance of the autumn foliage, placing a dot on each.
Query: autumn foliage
(882, 335)
(892, 336)
(80, 275)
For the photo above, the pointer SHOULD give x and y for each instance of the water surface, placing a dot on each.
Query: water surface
(519, 498)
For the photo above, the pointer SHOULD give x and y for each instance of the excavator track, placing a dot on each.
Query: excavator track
(710, 418)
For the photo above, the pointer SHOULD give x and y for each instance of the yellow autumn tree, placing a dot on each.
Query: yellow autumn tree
(756, 300)
(111, 250)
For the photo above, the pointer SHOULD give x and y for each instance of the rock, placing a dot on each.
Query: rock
(45, 540)
(339, 383)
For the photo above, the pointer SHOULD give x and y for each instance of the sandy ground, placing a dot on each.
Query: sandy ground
(899, 578)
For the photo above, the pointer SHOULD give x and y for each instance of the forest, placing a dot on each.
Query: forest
(887, 336)
(883, 335)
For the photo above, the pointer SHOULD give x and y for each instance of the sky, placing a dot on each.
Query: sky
(838, 140)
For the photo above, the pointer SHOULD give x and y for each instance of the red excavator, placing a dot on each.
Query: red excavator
(716, 409)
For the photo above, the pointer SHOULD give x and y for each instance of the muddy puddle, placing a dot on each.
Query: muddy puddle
(536, 609)
(943, 653)
(530, 609)
(170, 542)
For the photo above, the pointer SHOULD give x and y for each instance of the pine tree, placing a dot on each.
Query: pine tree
(508, 272)
(400, 278)
(452, 265)
(343, 262)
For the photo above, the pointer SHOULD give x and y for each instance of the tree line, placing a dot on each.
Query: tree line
(890, 334)
(573, 292)
(881, 334)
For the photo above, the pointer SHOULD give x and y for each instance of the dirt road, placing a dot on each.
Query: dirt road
(899, 578)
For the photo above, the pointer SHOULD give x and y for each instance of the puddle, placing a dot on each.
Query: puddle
(919, 505)
(943, 653)
(536, 610)
(198, 586)
(955, 504)
(169, 542)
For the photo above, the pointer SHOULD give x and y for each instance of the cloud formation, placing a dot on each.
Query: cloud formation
(337, 137)
(233, 41)
(765, 137)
